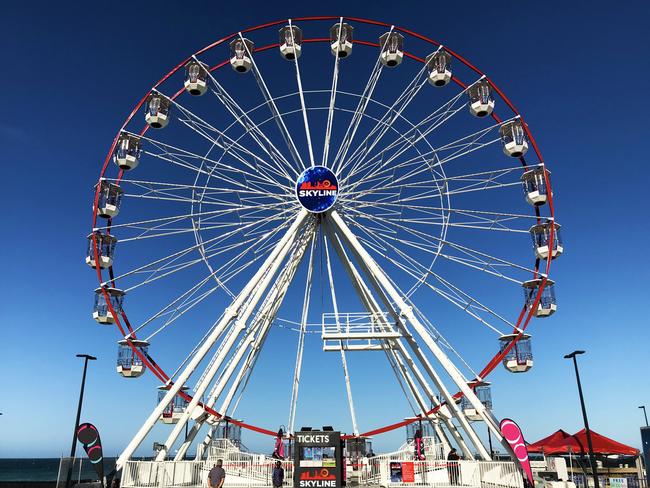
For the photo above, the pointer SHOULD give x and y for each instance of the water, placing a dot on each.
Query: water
(46, 469)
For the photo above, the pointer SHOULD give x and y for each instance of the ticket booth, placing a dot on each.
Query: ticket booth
(318, 459)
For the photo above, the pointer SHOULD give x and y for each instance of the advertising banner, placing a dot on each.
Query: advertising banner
(512, 433)
(318, 460)
(408, 472)
(402, 471)
(88, 435)
(618, 482)
(395, 471)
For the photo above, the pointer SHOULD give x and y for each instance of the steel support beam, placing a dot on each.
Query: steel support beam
(383, 285)
(229, 314)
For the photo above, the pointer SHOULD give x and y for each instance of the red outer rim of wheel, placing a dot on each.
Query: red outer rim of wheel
(524, 316)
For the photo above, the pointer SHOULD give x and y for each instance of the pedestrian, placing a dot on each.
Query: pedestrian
(278, 475)
(453, 469)
(217, 475)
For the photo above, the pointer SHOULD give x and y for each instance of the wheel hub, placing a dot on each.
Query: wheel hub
(317, 189)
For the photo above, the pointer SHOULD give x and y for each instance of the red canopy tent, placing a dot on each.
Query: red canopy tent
(557, 436)
(562, 443)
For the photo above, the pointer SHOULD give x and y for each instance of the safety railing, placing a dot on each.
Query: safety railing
(357, 331)
(242, 473)
(245, 468)
(397, 472)
(145, 474)
(432, 449)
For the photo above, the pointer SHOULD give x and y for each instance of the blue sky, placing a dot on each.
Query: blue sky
(578, 72)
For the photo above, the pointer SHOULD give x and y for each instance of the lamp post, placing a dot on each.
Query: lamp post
(73, 449)
(592, 459)
(645, 415)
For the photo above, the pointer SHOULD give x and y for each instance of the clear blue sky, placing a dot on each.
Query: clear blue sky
(577, 71)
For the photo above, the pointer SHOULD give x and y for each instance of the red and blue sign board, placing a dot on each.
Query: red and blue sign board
(317, 189)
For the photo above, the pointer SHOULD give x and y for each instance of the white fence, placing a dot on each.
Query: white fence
(441, 473)
(243, 470)
(247, 470)
(239, 473)
(164, 474)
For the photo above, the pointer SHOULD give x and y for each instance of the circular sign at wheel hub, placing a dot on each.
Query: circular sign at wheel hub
(317, 189)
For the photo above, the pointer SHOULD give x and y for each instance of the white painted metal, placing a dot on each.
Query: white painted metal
(348, 387)
(406, 311)
(239, 325)
(302, 96)
(361, 162)
(347, 325)
(333, 90)
(297, 370)
(358, 116)
(253, 340)
(365, 294)
(255, 132)
(229, 314)
(286, 134)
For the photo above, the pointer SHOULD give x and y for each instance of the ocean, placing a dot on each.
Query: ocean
(47, 469)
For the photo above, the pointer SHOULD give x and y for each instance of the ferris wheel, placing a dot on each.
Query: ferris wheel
(350, 156)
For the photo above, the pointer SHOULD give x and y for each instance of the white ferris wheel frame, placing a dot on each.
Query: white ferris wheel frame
(300, 236)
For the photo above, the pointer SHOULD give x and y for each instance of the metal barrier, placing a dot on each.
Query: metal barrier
(441, 473)
(144, 474)
(247, 470)
(243, 469)
(242, 473)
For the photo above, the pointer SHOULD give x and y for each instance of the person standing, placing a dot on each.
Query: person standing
(217, 475)
(453, 468)
(278, 475)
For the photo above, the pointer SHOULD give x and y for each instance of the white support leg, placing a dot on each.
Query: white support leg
(348, 387)
(301, 341)
(232, 364)
(230, 313)
(373, 307)
(261, 326)
(240, 325)
(382, 282)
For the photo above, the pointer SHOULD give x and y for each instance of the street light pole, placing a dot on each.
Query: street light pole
(592, 459)
(645, 415)
(73, 449)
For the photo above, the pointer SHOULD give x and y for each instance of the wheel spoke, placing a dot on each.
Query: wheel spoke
(270, 101)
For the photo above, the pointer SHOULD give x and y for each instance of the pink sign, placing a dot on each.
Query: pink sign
(512, 433)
